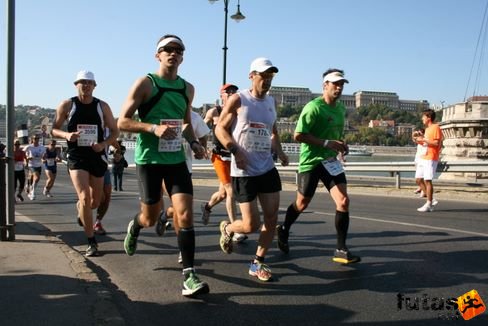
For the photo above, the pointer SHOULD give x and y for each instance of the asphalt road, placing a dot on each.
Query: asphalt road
(425, 257)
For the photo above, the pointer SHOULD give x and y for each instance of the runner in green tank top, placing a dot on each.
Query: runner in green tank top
(147, 149)
(163, 101)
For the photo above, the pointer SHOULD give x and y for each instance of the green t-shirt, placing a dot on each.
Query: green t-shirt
(172, 105)
(323, 121)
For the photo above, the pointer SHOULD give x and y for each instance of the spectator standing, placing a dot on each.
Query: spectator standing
(118, 165)
(421, 150)
(428, 162)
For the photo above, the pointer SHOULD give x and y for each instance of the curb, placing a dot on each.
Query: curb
(105, 311)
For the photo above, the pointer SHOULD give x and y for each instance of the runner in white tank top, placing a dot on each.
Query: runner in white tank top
(247, 128)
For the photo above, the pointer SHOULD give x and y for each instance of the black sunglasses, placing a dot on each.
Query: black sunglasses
(171, 49)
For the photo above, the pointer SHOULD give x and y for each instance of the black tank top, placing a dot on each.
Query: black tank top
(85, 114)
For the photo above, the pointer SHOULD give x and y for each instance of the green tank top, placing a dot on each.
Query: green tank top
(172, 105)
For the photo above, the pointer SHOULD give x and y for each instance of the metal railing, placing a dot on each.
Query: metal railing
(394, 168)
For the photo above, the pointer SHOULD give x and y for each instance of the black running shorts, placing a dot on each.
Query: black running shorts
(246, 189)
(308, 181)
(176, 179)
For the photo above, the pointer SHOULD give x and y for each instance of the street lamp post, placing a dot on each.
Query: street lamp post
(238, 16)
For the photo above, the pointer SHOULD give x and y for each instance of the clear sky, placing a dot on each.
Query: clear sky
(420, 49)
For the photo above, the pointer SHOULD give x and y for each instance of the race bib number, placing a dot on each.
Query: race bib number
(88, 135)
(257, 138)
(50, 162)
(19, 166)
(172, 145)
(333, 166)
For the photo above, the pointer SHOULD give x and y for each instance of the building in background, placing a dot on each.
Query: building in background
(465, 129)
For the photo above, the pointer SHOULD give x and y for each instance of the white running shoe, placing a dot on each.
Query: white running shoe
(239, 237)
(425, 208)
(44, 191)
(434, 202)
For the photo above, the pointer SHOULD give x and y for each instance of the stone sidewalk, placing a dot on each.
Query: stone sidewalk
(45, 282)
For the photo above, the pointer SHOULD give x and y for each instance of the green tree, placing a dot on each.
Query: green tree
(286, 137)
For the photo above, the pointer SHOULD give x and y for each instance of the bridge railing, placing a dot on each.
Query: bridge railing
(394, 168)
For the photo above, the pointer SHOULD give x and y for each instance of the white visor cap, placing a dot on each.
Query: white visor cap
(335, 77)
(168, 40)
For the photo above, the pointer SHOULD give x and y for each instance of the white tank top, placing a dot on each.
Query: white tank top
(35, 154)
(252, 131)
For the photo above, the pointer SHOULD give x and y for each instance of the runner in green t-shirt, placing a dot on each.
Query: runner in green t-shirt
(320, 129)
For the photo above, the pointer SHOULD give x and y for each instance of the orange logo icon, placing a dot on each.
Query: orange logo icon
(470, 305)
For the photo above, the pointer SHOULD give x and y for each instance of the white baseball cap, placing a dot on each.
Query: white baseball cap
(84, 75)
(261, 65)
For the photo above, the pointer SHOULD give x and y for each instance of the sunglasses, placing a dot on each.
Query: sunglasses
(171, 49)
(230, 91)
(17, 144)
(86, 82)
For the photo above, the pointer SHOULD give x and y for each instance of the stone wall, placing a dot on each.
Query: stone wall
(465, 130)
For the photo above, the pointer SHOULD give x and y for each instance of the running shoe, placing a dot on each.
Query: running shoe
(98, 228)
(435, 202)
(180, 258)
(161, 223)
(205, 213)
(239, 237)
(282, 236)
(92, 250)
(31, 195)
(426, 208)
(44, 191)
(48, 194)
(20, 198)
(259, 270)
(192, 285)
(130, 241)
(344, 256)
(225, 239)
